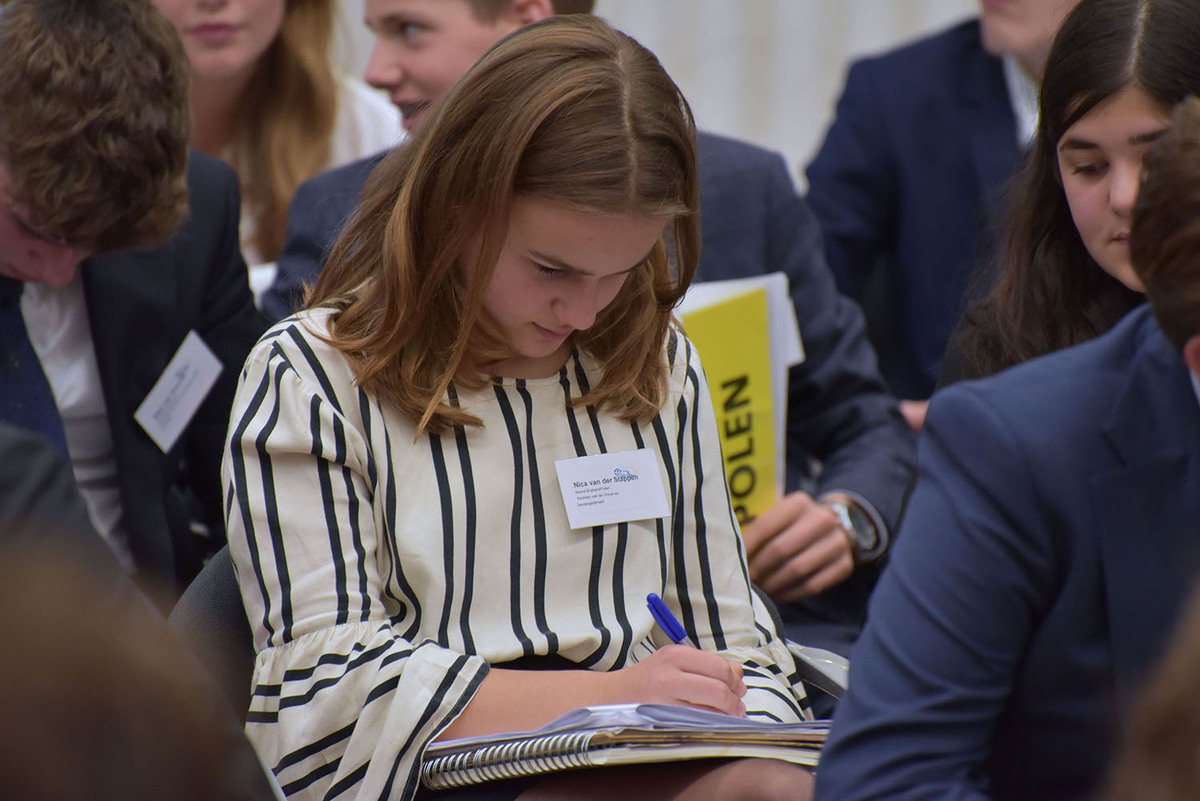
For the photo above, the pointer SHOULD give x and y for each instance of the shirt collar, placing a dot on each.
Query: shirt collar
(1023, 94)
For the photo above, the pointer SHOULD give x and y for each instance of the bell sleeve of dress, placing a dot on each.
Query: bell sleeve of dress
(343, 703)
(711, 592)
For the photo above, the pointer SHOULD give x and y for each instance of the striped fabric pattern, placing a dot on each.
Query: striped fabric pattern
(382, 572)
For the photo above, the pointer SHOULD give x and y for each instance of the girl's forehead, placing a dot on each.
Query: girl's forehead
(1128, 111)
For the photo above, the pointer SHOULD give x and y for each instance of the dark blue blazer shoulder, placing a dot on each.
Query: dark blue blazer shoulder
(1045, 552)
(319, 209)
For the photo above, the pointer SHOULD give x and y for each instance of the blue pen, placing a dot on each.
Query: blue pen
(665, 620)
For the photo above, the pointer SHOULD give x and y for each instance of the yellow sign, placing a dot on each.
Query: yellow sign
(733, 338)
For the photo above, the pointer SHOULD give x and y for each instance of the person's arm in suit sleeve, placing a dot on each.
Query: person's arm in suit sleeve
(852, 185)
(839, 409)
(968, 581)
(228, 322)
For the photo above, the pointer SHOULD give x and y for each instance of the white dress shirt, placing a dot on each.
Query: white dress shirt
(1023, 94)
(60, 332)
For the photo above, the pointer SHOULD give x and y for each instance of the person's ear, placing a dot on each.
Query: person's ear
(1191, 354)
(527, 12)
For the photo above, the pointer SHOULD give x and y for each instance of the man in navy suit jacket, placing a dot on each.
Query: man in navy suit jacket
(114, 246)
(1047, 547)
(908, 185)
(753, 223)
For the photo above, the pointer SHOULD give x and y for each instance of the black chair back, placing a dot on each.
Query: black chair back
(210, 620)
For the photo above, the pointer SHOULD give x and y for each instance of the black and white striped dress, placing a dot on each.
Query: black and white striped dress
(382, 573)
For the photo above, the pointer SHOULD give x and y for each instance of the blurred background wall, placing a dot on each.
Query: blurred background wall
(768, 71)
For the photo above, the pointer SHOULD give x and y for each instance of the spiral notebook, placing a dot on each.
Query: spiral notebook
(619, 734)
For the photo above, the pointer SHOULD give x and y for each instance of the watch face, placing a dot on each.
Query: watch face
(842, 513)
(862, 529)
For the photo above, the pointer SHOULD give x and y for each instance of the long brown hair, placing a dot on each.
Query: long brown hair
(1049, 292)
(567, 110)
(285, 119)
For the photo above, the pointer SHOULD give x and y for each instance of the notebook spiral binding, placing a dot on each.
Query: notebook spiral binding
(508, 761)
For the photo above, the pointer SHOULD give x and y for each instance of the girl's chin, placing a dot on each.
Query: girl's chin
(1125, 274)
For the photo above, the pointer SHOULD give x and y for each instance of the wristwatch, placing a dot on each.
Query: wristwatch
(865, 539)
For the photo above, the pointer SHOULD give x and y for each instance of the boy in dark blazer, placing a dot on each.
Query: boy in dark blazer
(115, 245)
(800, 552)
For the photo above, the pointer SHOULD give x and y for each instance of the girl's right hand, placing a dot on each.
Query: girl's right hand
(679, 674)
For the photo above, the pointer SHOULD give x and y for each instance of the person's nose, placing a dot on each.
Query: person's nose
(580, 307)
(383, 69)
(212, 5)
(1123, 188)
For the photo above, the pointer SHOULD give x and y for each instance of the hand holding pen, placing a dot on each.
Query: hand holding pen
(686, 675)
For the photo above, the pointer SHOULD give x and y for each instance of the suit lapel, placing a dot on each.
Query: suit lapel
(991, 125)
(129, 294)
(1148, 507)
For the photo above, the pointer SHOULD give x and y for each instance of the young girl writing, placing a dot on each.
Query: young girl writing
(498, 310)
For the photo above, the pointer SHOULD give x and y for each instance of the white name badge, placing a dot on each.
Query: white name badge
(612, 488)
(179, 391)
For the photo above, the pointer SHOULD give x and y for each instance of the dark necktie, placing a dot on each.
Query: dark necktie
(26, 399)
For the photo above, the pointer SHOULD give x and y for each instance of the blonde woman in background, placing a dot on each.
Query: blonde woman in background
(265, 98)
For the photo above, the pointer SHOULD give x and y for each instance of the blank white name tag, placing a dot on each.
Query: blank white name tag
(173, 400)
(612, 488)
